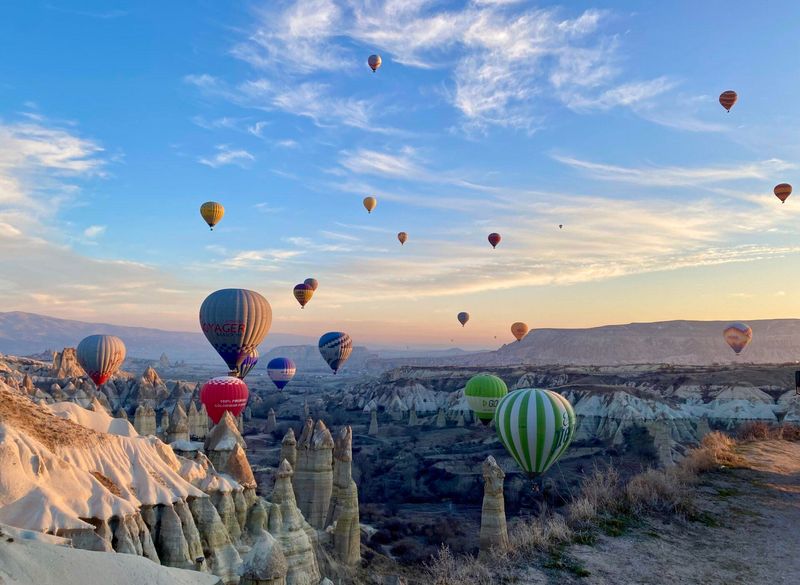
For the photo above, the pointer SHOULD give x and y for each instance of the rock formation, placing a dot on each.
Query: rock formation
(494, 535)
(265, 564)
(306, 409)
(178, 427)
(343, 510)
(412, 417)
(441, 421)
(198, 422)
(289, 448)
(272, 423)
(460, 421)
(144, 420)
(122, 414)
(65, 364)
(27, 385)
(313, 478)
(222, 441)
(163, 361)
(373, 424)
(294, 534)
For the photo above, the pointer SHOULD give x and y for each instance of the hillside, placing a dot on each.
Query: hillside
(670, 342)
(30, 333)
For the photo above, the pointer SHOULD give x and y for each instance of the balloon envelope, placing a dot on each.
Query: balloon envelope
(374, 62)
(303, 293)
(738, 336)
(281, 371)
(235, 321)
(494, 239)
(335, 348)
(463, 317)
(782, 191)
(402, 236)
(370, 203)
(312, 282)
(483, 392)
(519, 330)
(225, 393)
(535, 426)
(727, 99)
(100, 356)
(212, 212)
(248, 363)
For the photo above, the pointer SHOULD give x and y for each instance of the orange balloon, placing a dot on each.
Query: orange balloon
(727, 99)
(402, 236)
(782, 191)
(519, 330)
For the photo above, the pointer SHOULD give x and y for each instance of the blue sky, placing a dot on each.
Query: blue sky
(118, 119)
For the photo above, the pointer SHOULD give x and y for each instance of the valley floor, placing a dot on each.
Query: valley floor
(748, 533)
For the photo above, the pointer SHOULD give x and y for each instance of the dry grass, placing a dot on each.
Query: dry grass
(759, 431)
(542, 533)
(658, 491)
(448, 569)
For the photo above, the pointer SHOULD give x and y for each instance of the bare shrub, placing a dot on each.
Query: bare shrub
(755, 431)
(600, 494)
(448, 569)
(582, 511)
(542, 533)
(789, 432)
(661, 491)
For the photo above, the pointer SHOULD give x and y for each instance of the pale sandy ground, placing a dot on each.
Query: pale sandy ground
(757, 540)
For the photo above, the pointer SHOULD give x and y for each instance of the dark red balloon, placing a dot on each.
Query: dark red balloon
(494, 239)
(224, 393)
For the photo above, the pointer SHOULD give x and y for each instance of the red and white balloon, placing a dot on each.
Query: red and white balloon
(225, 393)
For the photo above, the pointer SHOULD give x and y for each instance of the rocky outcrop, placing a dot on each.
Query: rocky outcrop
(412, 417)
(373, 424)
(343, 511)
(265, 564)
(289, 448)
(272, 423)
(178, 427)
(122, 414)
(222, 440)
(65, 364)
(294, 534)
(313, 478)
(441, 421)
(144, 420)
(198, 422)
(494, 534)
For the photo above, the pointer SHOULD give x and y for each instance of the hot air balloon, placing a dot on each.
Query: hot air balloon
(303, 293)
(727, 99)
(463, 317)
(374, 62)
(248, 363)
(312, 282)
(100, 356)
(212, 212)
(335, 348)
(224, 393)
(235, 321)
(281, 371)
(536, 427)
(783, 191)
(402, 236)
(738, 336)
(519, 330)
(561, 226)
(483, 392)
(370, 203)
(494, 239)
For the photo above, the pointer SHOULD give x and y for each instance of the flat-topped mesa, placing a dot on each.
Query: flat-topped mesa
(343, 510)
(494, 534)
(289, 448)
(272, 423)
(178, 427)
(222, 440)
(373, 423)
(313, 478)
(65, 364)
(290, 529)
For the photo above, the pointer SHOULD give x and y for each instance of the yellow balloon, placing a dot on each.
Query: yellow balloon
(519, 330)
(370, 203)
(212, 212)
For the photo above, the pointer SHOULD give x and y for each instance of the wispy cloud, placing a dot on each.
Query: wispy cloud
(94, 231)
(226, 155)
(660, 176)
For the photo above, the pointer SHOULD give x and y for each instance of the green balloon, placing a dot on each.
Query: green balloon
(536, 427)
(483, 392)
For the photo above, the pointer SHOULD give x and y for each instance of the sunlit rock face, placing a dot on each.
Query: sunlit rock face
(494, 534)
(343, 511)
(313, 478)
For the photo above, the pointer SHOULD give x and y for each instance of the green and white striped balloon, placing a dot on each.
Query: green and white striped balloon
(536, 427)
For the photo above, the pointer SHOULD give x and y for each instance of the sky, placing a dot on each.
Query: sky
(118, 119)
